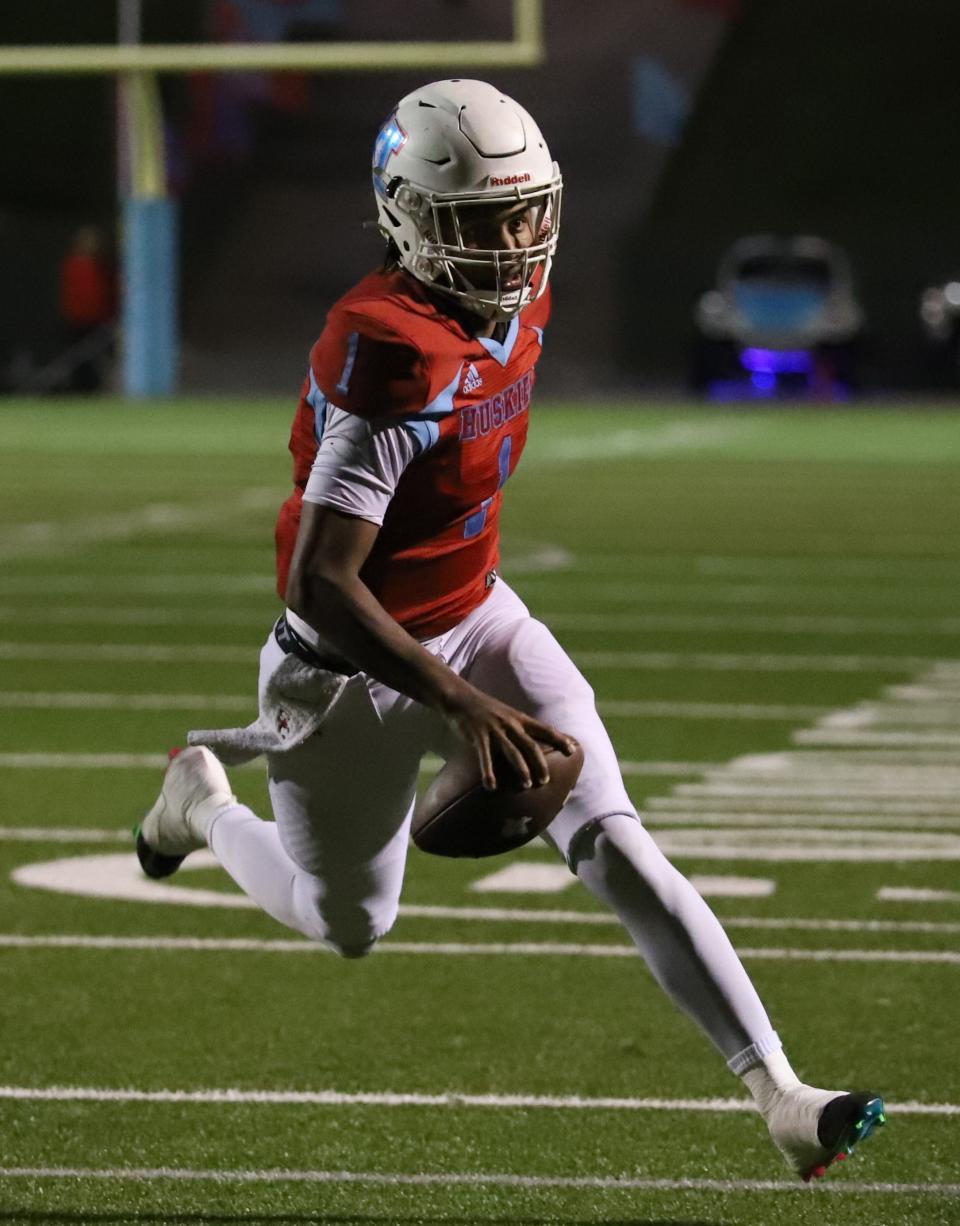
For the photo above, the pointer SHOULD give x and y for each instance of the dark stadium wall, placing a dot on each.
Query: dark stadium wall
(828, 118)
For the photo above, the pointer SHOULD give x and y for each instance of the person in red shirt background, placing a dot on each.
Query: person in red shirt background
(87, 308)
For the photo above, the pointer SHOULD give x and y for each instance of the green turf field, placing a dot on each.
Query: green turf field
(767, 606)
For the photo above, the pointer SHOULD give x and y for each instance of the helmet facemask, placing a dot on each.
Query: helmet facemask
(492, 282)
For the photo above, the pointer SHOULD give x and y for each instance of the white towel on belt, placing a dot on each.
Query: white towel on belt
(295, 702)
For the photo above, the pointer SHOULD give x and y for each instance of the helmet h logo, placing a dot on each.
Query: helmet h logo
(390, 138)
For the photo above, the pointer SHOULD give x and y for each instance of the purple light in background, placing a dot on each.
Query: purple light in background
(777, 361)
(763, 381)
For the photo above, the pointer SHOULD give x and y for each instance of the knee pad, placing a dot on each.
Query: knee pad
(620, 830)
(621, 850)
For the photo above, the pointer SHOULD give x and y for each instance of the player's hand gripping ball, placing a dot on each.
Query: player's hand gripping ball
(457, 816)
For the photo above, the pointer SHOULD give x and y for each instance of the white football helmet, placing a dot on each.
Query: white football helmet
(449, 147)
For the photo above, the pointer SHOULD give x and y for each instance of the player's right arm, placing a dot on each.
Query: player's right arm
(326, 590)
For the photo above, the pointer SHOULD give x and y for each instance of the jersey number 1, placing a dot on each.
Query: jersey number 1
(474, 524)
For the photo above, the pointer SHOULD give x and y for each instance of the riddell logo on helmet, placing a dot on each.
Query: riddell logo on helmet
(509, 180)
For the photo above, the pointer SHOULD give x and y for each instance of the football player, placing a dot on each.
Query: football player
(413, 417)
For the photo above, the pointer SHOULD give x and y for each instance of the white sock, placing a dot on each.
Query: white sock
(251, 852)
(769, 1078)
(678, 935)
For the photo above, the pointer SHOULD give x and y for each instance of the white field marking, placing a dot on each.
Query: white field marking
(456, 949)
(197, 582)
(810, 790)
(118, 876)
(896, 893)
(707, 710)
(65, 834)
(450, 1099)
(83, 761)
(114, 873)
(154, 615)
(217, 653)
(890, 568)
(812, 821)
(536, 559)
(137, 653)
(853, 793)
(612, 623)
(784, 762)
(873, 715)
(776, 845)
(776, 808)
(41, 700)
(532, 560)
(628, 767)
(611, 1183)
(737, 662)
(821, 762)
(520, 878)
(853, 736)
(686, 592)
(139, 761)
(62, 536)
(733, 887)
(630, 442)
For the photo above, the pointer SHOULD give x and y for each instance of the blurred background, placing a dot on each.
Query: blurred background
(681, 126)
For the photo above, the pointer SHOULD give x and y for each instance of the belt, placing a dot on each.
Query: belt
(293, 644)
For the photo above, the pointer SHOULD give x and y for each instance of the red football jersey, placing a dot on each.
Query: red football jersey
(388, 353)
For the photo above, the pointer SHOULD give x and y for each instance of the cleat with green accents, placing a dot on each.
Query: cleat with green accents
(814, 1128)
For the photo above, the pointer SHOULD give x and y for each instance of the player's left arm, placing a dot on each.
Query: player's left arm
(326, 590)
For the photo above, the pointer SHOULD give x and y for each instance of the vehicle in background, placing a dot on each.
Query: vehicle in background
(940, 316)
(783, 320)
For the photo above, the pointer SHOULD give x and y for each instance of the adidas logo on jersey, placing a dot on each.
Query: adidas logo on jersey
(473, 380)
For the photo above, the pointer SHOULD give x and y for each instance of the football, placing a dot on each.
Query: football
(456, 816)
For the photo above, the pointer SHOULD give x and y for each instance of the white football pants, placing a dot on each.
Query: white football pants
(332, 866)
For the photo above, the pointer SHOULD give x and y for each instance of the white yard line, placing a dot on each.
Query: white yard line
(57, 699)
(937, 789)
(693, 591)
(61, 834)
(893, 569)
(454, 948)
(217, 653)
(137, 653)
(376, 1098)
(196, 582)
(812, 820)
(83, 761)
(520, 915)
(139, 761)
(708, 710)
(893, 893)
(54, 700)
(749, 662)
(854, 737)
(153, 615)
(606, 1183)
(613, 623)
(63, 536)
